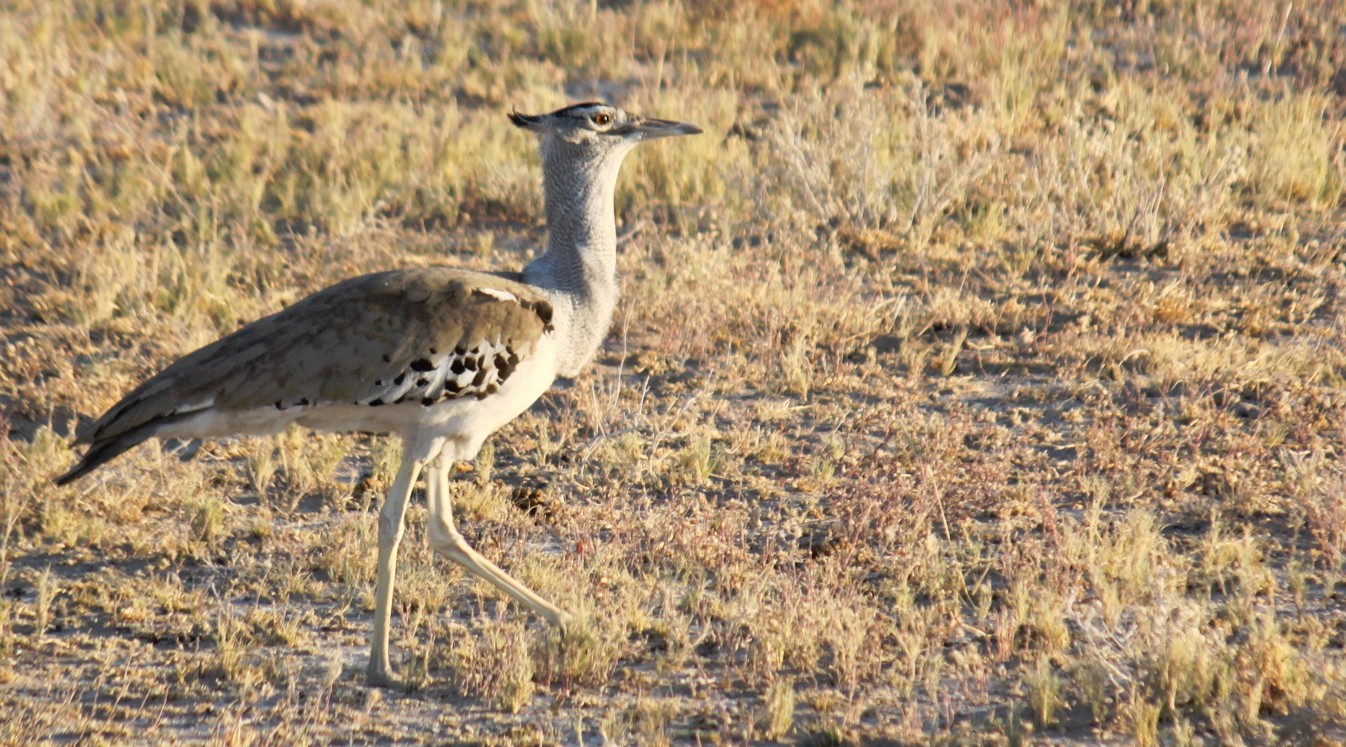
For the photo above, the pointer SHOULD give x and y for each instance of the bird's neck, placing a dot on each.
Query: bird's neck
(579, 269)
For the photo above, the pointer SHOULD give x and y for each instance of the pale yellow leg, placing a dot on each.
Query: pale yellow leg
(391, 524)
(445, 540)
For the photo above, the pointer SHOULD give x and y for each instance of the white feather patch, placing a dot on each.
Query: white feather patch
(502, 295)
(193, 406)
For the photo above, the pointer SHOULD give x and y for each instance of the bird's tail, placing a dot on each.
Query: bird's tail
(101, 451)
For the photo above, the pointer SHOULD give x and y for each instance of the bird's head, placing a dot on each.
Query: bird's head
(595, 132)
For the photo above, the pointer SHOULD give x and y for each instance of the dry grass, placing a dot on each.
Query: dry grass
(979, 377)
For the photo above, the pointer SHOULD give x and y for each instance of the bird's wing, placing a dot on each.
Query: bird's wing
(429, 334)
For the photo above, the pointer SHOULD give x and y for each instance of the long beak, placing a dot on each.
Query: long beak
(651, 129)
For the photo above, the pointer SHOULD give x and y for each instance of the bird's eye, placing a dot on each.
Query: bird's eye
(601, 119)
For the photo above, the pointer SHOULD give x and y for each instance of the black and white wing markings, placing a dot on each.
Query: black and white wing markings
(475, 370)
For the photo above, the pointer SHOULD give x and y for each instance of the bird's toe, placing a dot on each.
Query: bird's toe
(377, 676)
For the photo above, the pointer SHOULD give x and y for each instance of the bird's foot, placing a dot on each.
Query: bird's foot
(558, 618)
(566, 621)
(382, 676)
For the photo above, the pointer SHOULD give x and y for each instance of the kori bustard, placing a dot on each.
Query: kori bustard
(440, 357)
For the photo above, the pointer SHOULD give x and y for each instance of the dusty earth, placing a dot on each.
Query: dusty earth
(977, 380)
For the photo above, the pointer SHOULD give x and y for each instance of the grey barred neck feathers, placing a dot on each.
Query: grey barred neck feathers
(583, 147)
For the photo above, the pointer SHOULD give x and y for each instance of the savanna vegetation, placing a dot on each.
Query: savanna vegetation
(978, 378)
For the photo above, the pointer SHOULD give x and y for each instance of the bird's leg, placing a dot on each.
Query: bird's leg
(445, 540)
(391, 522)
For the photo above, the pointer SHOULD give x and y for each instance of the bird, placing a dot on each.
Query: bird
(438, 357)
